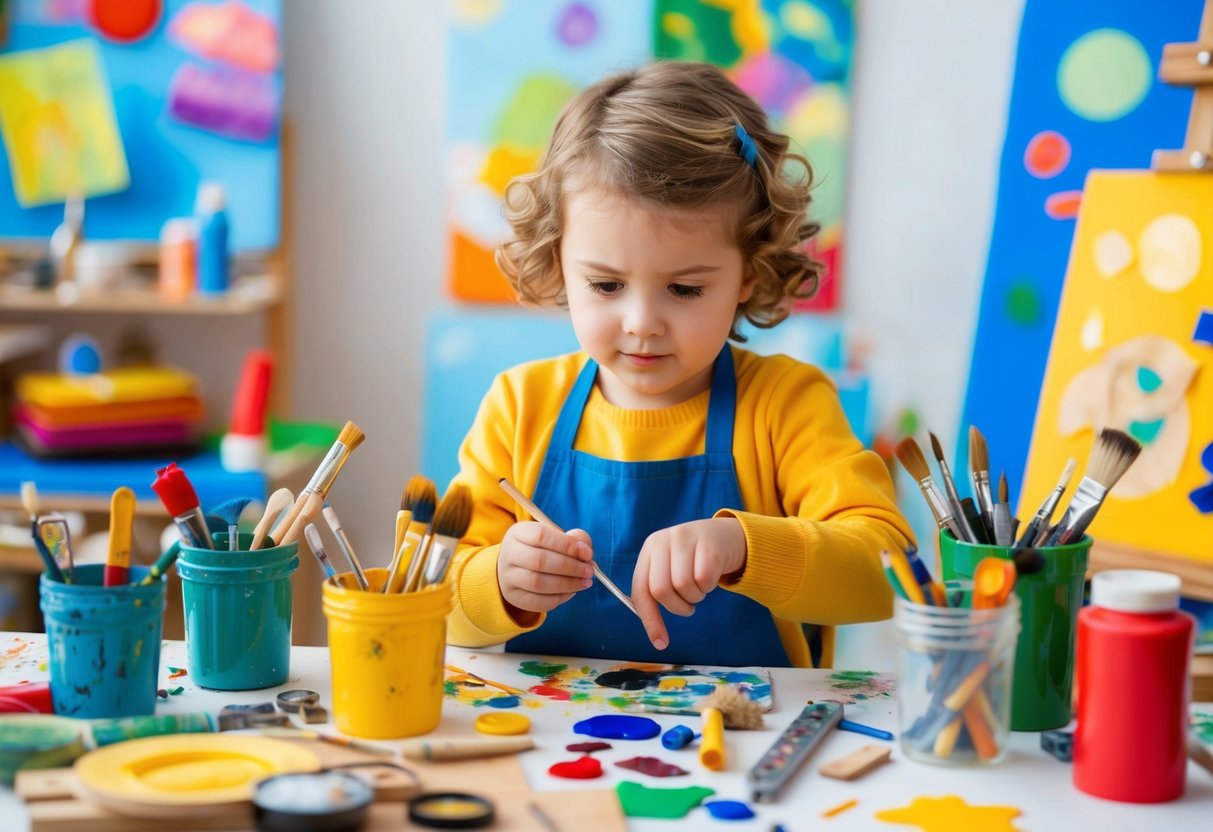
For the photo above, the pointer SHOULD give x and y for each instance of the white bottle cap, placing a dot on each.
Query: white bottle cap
(178, 230)
(210, 198)
(1135, 590)
(239, 453)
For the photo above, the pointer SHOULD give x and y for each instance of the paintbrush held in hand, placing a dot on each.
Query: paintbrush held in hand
(912, 458)
(1112, 455)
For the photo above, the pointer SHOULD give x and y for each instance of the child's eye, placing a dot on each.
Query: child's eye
(684, 291)
(604, 287)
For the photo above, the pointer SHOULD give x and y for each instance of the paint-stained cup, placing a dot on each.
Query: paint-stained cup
(1050, 599)
(104, 643)
(387, 656)
(954, 672)
(237, 608)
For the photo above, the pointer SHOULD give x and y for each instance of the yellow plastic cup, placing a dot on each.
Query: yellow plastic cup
(387, 654)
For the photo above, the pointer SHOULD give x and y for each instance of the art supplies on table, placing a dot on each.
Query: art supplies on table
(180, 499)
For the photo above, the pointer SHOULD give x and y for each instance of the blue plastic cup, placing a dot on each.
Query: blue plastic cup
(237, 613)
(104, 643)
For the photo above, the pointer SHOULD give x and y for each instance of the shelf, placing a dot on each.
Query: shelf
(1197, 577)
(249, 295)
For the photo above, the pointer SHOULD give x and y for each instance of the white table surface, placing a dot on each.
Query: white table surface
(1028, 779)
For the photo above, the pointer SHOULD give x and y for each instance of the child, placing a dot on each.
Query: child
(699, 476)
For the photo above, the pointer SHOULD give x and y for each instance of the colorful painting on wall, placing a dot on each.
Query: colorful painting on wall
(793, 56)
(1127, 354)
(1085, 97)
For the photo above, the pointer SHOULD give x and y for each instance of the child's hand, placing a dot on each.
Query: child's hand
(677, 567)
(539, 568)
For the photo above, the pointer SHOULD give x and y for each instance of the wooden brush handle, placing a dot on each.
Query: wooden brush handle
(306, 509)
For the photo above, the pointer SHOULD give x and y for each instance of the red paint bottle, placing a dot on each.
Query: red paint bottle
(1132, 687)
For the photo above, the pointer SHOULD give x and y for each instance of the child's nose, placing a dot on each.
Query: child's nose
(642, 318)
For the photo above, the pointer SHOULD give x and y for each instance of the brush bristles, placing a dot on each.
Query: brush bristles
(936, 447)
(912, 458)
(420, 497)
(1112, 455)
(454, 514)
(1028, 562)
(1004, 492)
(1067, 474)
(738, 710)
(351, 436)
(979, 454)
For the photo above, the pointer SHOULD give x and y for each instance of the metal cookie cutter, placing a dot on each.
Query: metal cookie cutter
(294, 701)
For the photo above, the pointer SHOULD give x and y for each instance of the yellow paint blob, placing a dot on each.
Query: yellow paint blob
(502, 724)
(951, 814)
(1169, 248)
(1112, 252)
(671, 683)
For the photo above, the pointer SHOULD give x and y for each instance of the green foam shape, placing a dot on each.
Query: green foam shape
(667, 804)
(1145, 432)
(1148, 380)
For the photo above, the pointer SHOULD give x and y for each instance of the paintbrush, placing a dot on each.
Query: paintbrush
(57, 537)
(949, 487)
(180, 499)
(420, 498)
(311, 499)
(1044, 514)
(122, 519)
(912, 458)
(29, 501)
(1112, 455)
(979, 461)
(343, 543)
(535, 512)
(229, 512)
(317, 546)
(451, 521)
(278, 502)
(1002, 514)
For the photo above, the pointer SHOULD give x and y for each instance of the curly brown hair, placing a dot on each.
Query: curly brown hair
(666, 134)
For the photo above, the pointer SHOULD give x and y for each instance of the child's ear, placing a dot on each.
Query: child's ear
(748, 281)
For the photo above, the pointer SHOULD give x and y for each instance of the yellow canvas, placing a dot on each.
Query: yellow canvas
(58, 124)
(1124, 356)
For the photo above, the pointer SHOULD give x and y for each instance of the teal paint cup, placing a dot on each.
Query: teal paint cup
(104, 643)
(237, 613)
(1049, 600)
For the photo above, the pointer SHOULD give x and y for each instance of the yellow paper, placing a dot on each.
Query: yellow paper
(1148, 300)
(57, 121)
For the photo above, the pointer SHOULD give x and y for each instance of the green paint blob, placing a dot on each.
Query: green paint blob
(1145, 432)
(579, 697)
(1202, 726)
(690, 30)
(1104, 75)
(450, 688)
(527, 119)
(1148, 380)
(543, 670)
(668, 804)
(1022, 303)
(851, 679)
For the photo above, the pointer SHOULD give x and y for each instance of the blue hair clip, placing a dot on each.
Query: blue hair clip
(748, 150)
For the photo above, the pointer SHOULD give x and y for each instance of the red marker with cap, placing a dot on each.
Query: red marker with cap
(243, 447)
(178, 496)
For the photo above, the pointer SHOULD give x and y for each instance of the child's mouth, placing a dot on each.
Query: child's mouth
(642, 359)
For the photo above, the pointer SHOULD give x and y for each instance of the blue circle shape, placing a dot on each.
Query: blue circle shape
(618, 727)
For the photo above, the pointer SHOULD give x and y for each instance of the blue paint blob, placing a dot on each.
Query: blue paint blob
(618, 727)
(1148, 380)
(729, 810)
(678, 737)
(503, 702)
(737, 678)
(1145, 432)
(701, 690)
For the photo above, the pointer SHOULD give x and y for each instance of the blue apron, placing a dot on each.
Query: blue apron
(620, 504)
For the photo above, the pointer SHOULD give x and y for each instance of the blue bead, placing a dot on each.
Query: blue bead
(677, 737)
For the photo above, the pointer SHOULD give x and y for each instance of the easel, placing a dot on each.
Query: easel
(1191, 65)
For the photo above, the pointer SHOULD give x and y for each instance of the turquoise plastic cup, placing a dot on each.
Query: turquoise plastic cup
(104, 643)
(237, 613)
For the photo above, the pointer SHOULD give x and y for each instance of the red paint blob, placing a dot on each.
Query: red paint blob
(1047, 154)
(550, 692)
(1063, 205)
(587, 747)
(583, 768)
(652, 766)
(125, 21)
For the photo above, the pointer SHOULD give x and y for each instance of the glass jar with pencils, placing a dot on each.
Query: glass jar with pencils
(955, 667)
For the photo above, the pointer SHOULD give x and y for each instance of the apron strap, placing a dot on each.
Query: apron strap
(570, 415)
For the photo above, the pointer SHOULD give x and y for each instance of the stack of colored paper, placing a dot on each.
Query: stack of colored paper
(124, 412)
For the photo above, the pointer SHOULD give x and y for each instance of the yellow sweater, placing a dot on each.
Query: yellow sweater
(818, 508)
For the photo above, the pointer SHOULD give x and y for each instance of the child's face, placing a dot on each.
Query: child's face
(652, 293)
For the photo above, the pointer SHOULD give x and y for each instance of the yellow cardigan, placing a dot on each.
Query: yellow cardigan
(818, 507)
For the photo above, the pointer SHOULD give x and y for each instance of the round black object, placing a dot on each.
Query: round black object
(450, 810)
(324, 801)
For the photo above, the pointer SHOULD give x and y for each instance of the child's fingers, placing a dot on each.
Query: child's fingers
(541, 583)
(647, 608)
(575, 544)
(682, 575)
(536, 602)
(552, 563)
(659, 578)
